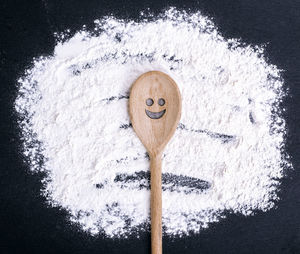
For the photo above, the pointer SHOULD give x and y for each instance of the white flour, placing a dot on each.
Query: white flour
(226, 155)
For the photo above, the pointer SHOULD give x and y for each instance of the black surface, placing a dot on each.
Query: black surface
(28, 226)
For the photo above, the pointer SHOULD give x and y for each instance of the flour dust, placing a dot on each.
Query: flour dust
(227, 153)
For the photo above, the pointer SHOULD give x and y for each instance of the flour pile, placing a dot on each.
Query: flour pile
(227, 153)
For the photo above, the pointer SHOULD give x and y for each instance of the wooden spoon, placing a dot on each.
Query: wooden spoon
(155, 109)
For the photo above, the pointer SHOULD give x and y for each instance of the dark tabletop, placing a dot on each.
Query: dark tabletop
(27, 225)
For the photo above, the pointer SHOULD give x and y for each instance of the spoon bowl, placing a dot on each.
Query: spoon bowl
(155, 109)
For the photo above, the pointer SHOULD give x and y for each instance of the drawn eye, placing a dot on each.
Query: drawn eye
(149, 102)
(161, 102)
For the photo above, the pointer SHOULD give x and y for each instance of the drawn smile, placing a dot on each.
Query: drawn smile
(155, 115)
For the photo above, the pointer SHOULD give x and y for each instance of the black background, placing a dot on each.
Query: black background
(27, 225)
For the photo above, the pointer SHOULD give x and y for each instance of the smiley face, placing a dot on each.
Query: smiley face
(155, 115)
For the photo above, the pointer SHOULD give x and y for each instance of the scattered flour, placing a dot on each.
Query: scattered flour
(73, 109)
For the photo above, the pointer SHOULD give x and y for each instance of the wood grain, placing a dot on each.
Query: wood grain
(155, 110)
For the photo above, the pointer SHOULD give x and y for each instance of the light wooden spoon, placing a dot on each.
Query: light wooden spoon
(155, 109)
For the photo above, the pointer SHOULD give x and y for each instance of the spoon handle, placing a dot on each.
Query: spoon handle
(156, 204)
